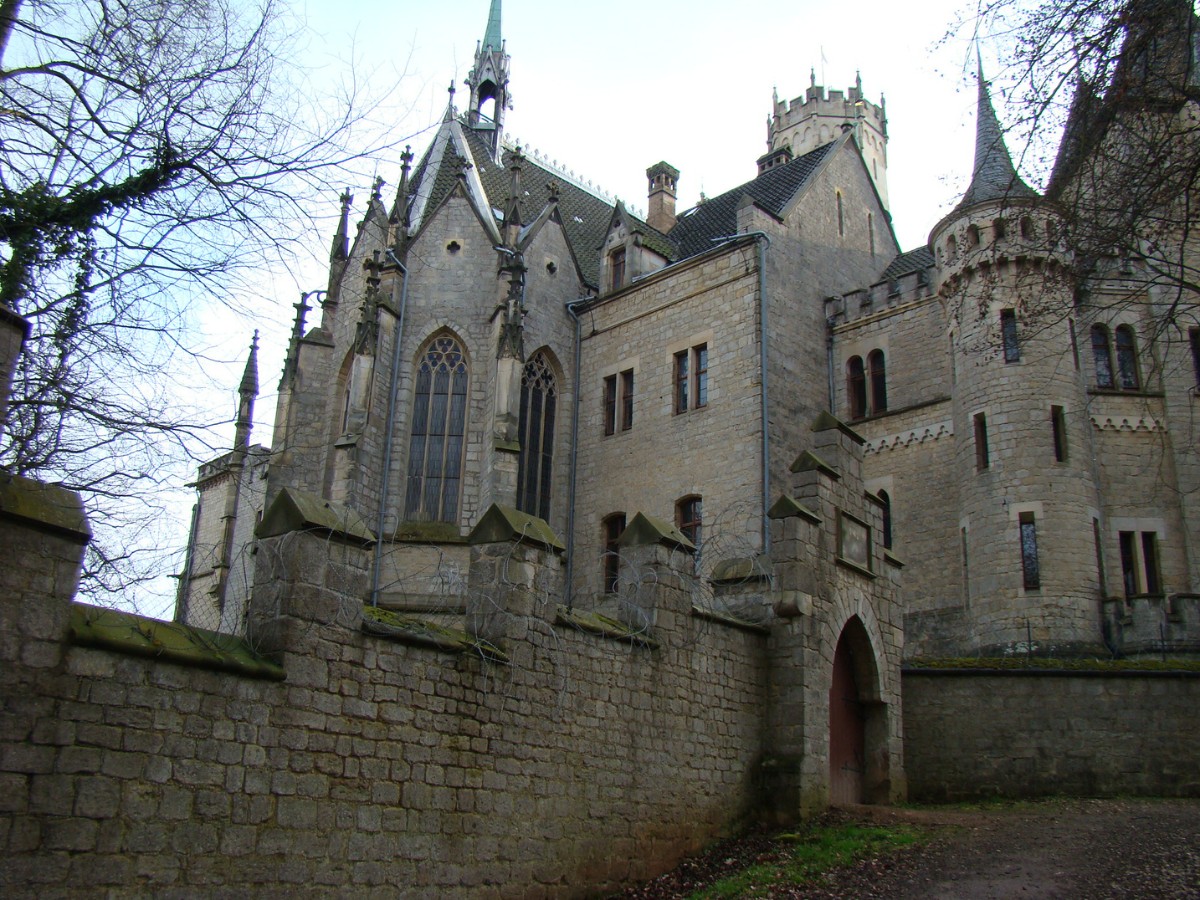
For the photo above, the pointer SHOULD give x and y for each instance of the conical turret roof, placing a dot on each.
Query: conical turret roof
(994, 176)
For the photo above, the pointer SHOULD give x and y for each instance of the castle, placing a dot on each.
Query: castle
(584, 539)
(499, 335)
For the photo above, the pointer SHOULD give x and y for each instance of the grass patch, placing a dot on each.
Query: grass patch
(803, 856)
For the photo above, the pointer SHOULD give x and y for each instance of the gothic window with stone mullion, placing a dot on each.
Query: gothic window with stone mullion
(539, 402)
(435, 449)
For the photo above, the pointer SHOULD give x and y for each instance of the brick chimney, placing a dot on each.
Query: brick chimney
(663, 178)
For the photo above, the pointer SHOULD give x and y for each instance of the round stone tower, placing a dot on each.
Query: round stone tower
(1028, 502)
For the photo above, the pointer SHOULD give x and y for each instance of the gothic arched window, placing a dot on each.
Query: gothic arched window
(1102, 357)
(878, 370)
(539, 402)
(435, 449)
(1127, 367)
(856, 387)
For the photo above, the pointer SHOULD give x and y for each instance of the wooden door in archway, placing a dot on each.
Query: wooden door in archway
(847, 734)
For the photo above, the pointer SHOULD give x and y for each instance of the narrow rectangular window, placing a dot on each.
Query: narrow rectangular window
(700, 353)
(627, 399)
(1030, 568)
(616, 261)
(613, 526)
(610, 404)
(681, 381)
(1099, 557)
(1129, 568)
(966, 568)
(1150, 562)
(1194, 337)
(981, 442)
(1058, 423)
(1074, 343)
(1008, 329)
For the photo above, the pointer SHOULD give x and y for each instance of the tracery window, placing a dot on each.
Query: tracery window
(539, 403)
(435, 448)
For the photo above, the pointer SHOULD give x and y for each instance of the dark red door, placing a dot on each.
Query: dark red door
(846, 734)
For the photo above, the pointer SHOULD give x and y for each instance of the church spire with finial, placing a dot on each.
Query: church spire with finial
(994, 176)
(488, 81)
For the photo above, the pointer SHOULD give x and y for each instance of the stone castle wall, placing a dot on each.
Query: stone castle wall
(970, 735)
(584, 762)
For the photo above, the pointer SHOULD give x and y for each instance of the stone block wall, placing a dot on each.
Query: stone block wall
(582, 763)
(1026, 734)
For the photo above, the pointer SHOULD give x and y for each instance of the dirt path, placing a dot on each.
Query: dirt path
(1087, 849)
(1061, 849)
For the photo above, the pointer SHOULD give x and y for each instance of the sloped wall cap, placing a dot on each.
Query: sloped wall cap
(742, 568)
(293, 510)
(128, 633)
(646, 529)
(809, 461)
(788, 508)
(827, 421)
(503, 523)
(49, 507)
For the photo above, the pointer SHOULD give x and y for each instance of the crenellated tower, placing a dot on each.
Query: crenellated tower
(1029, 506)
(817, 118)
(488, 81)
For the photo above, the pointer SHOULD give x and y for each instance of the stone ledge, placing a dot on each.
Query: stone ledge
(421, 633)
(124, 632)
(45, 507)
(594, 623)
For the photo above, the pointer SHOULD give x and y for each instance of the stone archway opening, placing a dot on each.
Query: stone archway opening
(859, 762)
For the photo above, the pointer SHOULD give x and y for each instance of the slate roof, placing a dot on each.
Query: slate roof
(907, 263)
(772, 190)
(994, 176)
(585, 216)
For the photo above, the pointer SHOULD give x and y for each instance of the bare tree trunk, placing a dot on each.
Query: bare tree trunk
(9, 10)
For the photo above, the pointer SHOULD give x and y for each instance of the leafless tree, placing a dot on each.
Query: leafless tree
(1104, 110)
(155, 155)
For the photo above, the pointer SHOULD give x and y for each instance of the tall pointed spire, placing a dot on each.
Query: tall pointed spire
(341, 239)
(994, 176)
(491, 38)
(249, 385)
(488, 81)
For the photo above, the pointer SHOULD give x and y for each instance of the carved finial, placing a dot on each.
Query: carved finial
(377, 189)
(812, 77)
(552, 187)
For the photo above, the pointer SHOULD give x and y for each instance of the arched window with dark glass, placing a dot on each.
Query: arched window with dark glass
(876, 366)
(1102, 355)
(885, 503)
(539, 404)
(1127, 367)
(856, 387)
(435, 447)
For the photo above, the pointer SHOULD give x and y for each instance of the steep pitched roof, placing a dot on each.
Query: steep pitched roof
(994, 176)
(907, 263)
(585, 216)
(772, 191)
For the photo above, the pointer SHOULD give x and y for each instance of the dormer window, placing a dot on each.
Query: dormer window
(616, 268)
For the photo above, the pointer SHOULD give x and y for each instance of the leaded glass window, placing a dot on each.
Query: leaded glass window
(539, 402)
(435, 449)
